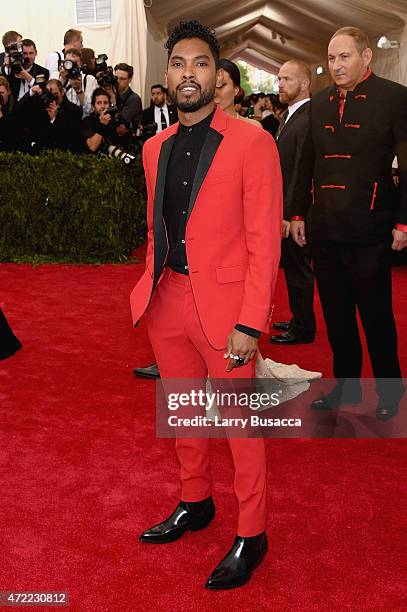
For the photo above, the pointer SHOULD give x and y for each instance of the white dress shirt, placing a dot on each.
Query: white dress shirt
(157, 116)
(291, 109)
(88, 89)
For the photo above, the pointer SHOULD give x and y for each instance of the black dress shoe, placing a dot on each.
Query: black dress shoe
(290, 338)
(386, 411)
(282, 325)
(237, 567)
(148, 372)
(350, 393)
(187, 515)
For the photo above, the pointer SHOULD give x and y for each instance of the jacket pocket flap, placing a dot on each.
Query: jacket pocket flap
(231, 273)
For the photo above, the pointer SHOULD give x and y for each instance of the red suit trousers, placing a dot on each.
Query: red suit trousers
(182, 351)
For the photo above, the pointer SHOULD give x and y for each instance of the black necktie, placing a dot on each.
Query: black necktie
(282, 124)
(163, 120)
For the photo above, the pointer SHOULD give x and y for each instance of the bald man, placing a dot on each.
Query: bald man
(294, 80)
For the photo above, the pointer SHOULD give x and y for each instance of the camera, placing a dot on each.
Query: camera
(117, 118)
(149, 130)
(101, 64)
(72, 69)
(16, 57)
(47, 97)
(126, 158)
(107, 78)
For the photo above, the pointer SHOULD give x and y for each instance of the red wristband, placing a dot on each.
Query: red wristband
(401, 227)
(297, 218)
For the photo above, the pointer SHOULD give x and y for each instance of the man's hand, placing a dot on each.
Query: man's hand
(36, 89)
(297, 229)
(121, 130)
(24, 75)
(52, 110)
(63, 75)
(76, 84)
(105, 119)
(241, 345)
(286, 229)
(399, 240)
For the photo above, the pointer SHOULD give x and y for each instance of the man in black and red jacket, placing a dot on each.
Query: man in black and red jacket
(356, 127)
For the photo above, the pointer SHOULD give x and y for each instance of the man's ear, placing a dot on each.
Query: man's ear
(220, 76)
(367, 56)
(166, 79)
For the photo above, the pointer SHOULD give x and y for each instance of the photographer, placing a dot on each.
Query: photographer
(8, 124)
(8, 37)
(50, 120)
(72, 40)
(96, 130)
(128, 102)
(20, 67)
(79, 87)
(159, 115)
(88, 61)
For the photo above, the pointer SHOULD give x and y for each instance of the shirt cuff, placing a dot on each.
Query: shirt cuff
(297, 218)
(254, 333)
(401, 227)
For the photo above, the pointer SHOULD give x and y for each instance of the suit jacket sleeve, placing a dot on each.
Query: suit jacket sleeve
(400, 135)
(300, 136)
(301, 189)
(262, 210)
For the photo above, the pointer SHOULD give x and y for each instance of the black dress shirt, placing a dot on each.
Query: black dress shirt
(181, 172)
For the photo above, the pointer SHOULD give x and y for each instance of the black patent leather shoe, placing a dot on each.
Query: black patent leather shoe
(290, 338)
(192, 516)
(350, 394)
(386, 411)
(282, 325)
(148, 372)
(237, 567)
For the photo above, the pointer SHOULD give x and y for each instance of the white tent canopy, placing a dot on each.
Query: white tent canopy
(266, 34)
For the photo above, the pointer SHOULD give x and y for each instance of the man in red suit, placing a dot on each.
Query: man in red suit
(214, 231)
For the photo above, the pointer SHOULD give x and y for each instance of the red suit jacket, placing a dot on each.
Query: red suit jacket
(233, 232)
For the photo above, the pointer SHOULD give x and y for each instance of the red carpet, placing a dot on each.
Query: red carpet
(83, 474)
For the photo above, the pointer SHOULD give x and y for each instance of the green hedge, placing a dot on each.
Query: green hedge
(70, 208)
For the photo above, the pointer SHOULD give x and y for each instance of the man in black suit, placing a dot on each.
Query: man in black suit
(357, 126)
(294, 80)
(159, 115)
(22, 81)
(52, 125)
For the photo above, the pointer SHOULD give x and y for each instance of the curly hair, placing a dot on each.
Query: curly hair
(193, 29)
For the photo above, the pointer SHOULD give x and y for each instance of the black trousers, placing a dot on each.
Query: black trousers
(299, 277)
(9, 344)
(351, 277)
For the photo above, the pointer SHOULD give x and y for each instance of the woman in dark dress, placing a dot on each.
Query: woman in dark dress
(9, 344)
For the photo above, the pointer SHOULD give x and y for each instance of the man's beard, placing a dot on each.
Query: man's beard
(286, 98)
(205, 96)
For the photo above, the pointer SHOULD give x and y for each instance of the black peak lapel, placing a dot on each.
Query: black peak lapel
(291, 121)
(160, 239)
(211, 144)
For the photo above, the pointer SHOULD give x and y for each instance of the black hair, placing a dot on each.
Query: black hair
(27, 42)
(232, 70)
(159, 86)
(99, 91)
(126, 68)
(193, 29)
